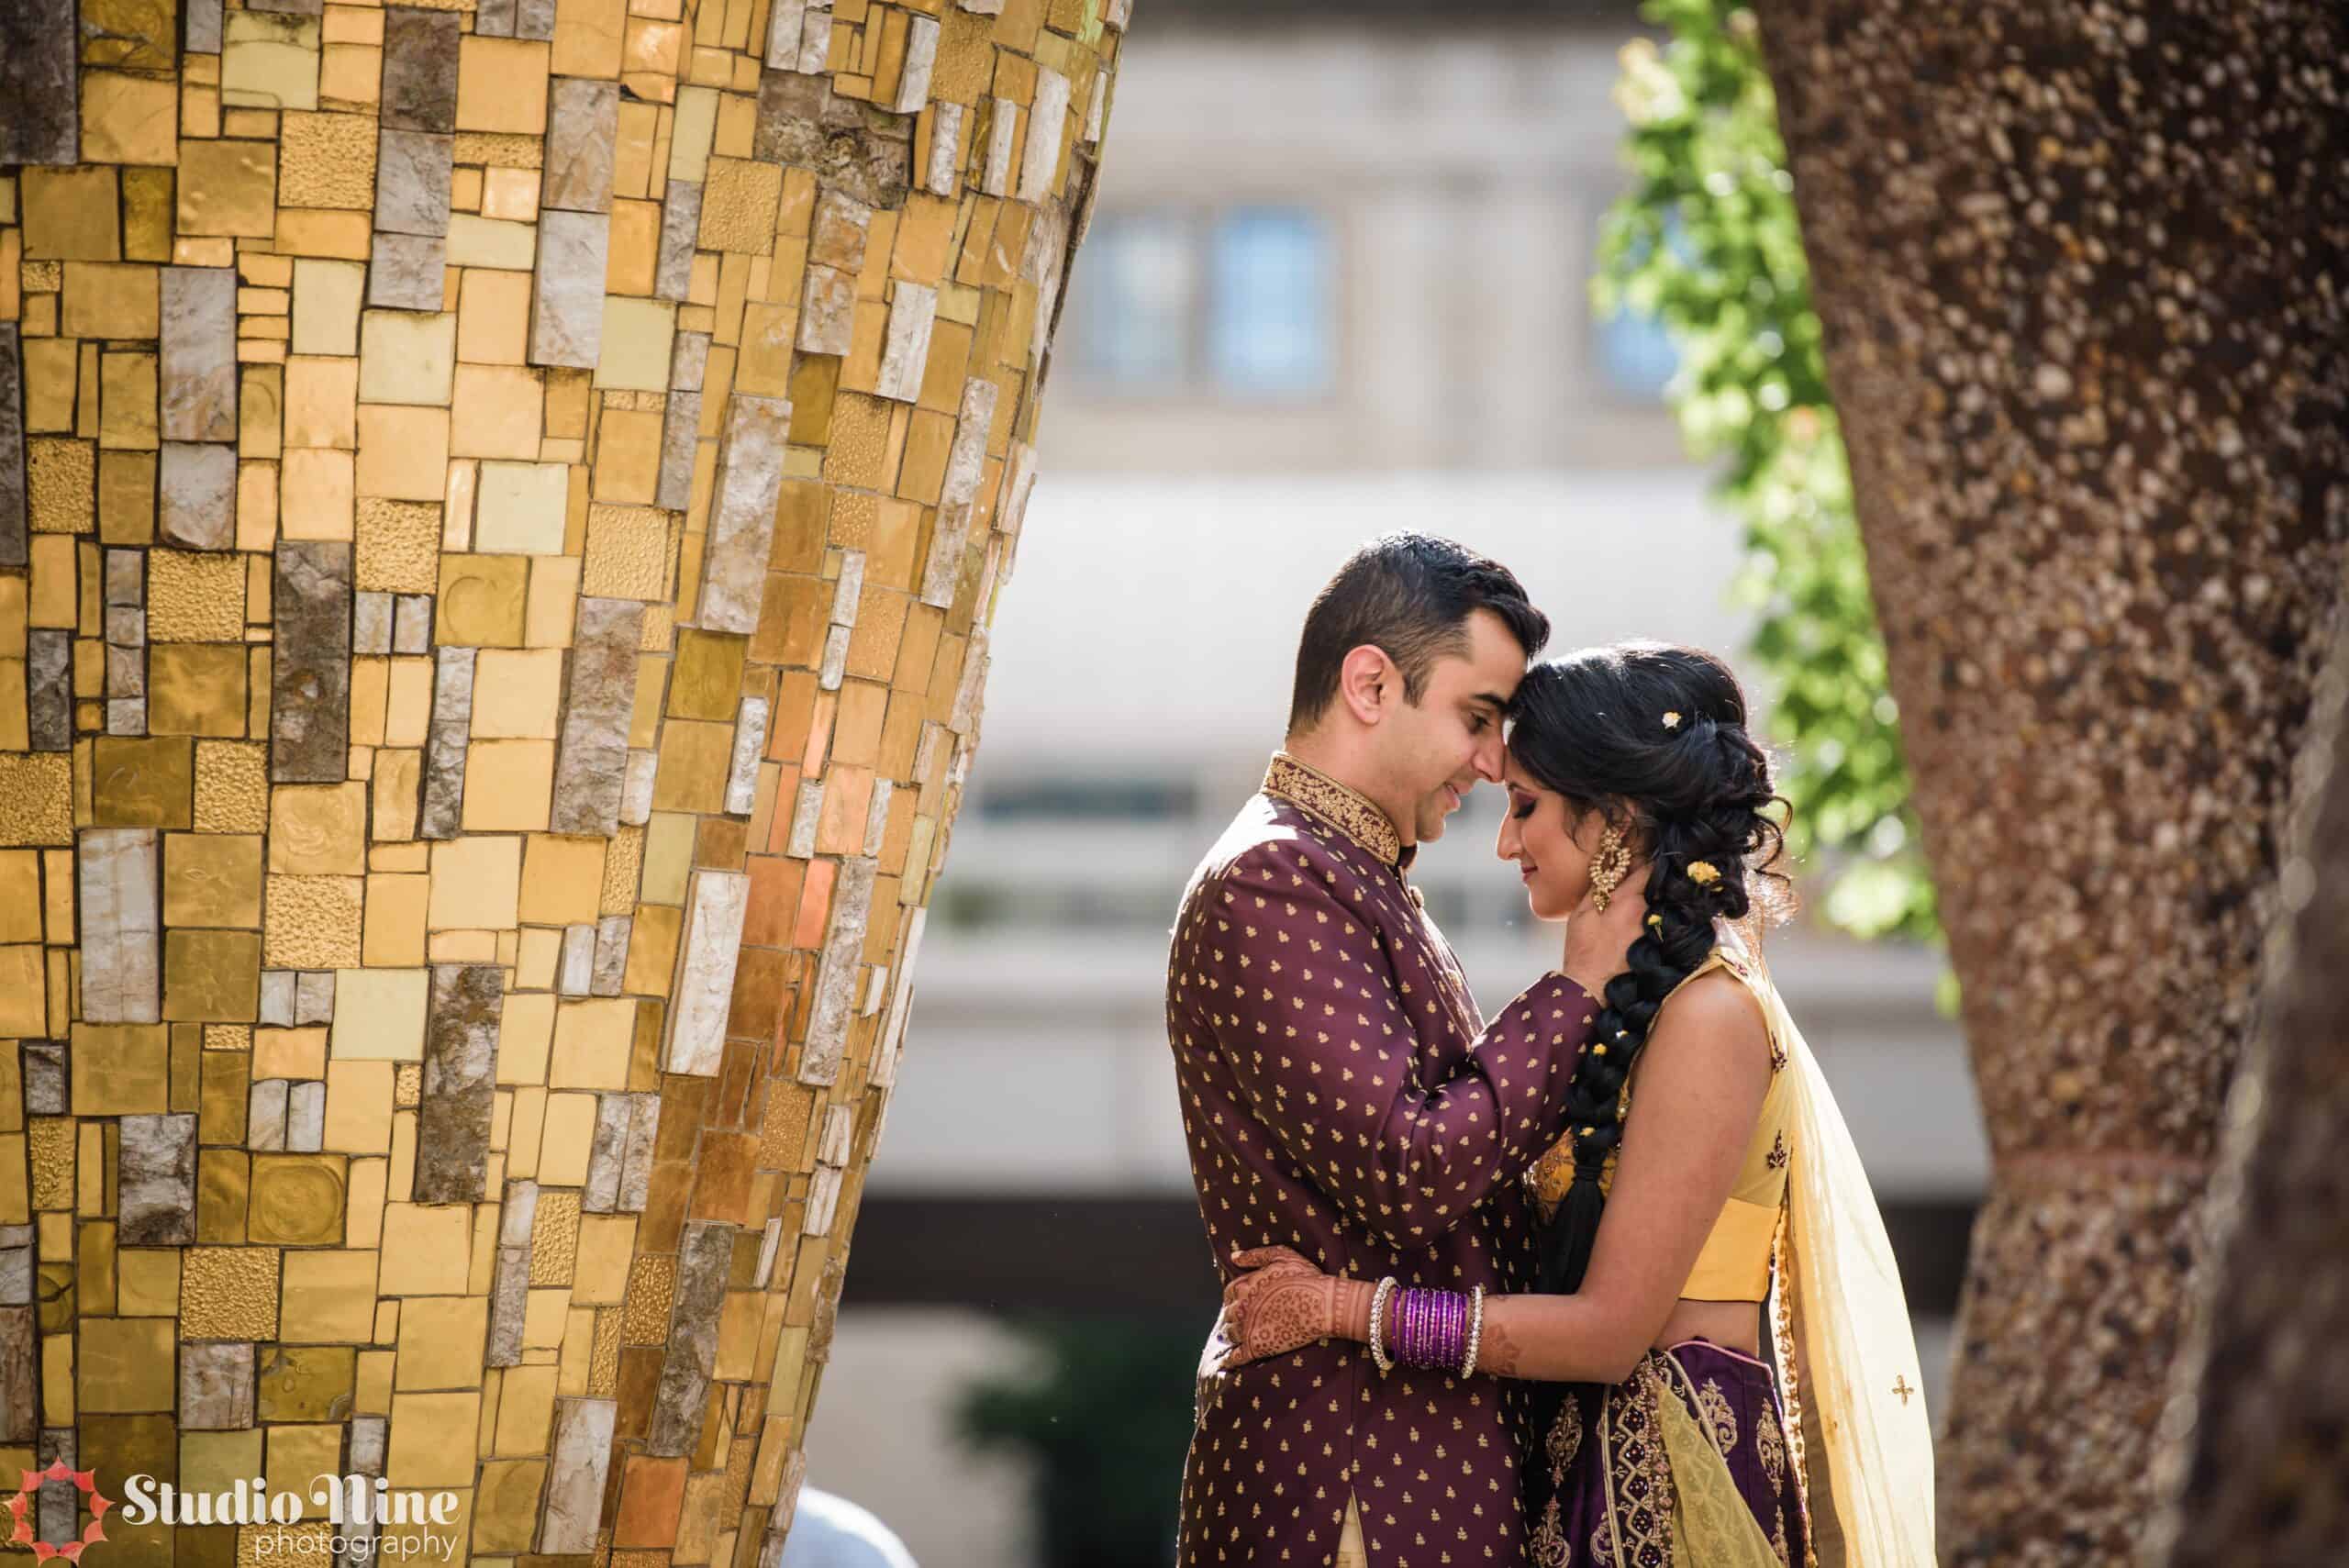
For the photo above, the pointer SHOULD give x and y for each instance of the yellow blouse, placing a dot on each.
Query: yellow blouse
(1734, 1265)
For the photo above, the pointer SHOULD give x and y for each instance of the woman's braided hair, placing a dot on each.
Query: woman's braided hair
(1593, 728)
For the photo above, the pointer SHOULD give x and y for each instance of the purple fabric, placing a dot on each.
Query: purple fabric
(1340, 1096)
(1570, 1520)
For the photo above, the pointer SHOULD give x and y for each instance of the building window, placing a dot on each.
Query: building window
(1239, 304)
(1132, 300)
(1269, 333)
(1636, 357)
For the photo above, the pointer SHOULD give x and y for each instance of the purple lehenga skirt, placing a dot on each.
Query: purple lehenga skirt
(1611, 1489)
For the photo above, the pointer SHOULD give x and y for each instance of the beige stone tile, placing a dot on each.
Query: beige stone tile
(525, 1034)
(326, 307)
(563, 879)
(440, 1342)
(379, 1014)
(476, 241)
(628, 457)
(435, 1437)
(592, 1042)
(289, 1054)
(510, 195)
(427, 1248)
(316, 487)
(517, 693)
(359, 1106)
(476, 883)
(509, 785)
(636, 336)
(403, 451)
(502, 85)
(554, 601)
(329, 1296)
(406, 356)
(395, 929)
(522, 507)
(498, 411)
(322, 401)
(493, 316)
(270, 61)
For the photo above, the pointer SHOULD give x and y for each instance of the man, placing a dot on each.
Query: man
(1337, 1095)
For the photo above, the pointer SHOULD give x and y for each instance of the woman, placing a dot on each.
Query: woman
(1703, 1160)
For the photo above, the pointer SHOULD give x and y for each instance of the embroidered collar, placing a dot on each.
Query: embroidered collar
(1347, 809)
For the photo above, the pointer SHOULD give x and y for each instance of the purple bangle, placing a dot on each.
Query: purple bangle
(1419, 1304)
(1409, 1342)
(1446, 1350)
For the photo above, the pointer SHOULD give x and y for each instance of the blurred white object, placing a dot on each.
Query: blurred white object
(830, 1532)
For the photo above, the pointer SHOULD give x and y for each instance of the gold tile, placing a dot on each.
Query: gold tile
(194, 596)
(653, 1281)
(510, 195)
(552, 612)
(360, 1099)
(318, 830)
(502, 85)
(426, 1248)
(212, 975)
(61, 484)
(592, 1039)
(628, 553)
(395, 929)
(482, 600)
(517, 692)
(562, 880)
(196, 688)
(435, 1438)
(120, 1068)
(607, 1244)
(738, 205)
(212, 879)
(329, 1296)
(313, 922)
(554, 1233)
(125, 1364)
(695, 760)
(627, 458)
(127, 498)
(399, 546)
(228, 187)
(440, 1342)
(509, 785)
(326, 161)
(706, 679)
(127, 401)
(633, 252)
(306, 1383)
(130, 119)
(228, 1293)
(70, 214)
(295, 1200)
(148, 1282)
(231, 786)
(406, 356)
(525, 1034)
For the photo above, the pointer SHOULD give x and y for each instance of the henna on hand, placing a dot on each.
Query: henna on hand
(1280, 1303)
(1496, 1353)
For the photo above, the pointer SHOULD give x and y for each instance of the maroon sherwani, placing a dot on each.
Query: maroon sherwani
(1340, 1098)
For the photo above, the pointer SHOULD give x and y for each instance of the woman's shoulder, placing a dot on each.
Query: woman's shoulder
(1715, 1004)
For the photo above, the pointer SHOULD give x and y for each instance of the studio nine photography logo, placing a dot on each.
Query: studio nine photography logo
(364, 1516)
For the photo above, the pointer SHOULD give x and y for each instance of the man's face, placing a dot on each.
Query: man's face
(1434, 752)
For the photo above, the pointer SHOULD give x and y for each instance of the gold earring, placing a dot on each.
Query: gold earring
(1608, 867)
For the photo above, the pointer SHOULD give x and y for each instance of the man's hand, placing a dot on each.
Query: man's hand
(1279, 1304)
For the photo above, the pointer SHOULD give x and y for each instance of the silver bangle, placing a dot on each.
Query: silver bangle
(1475, 1331)
(1378, 1299)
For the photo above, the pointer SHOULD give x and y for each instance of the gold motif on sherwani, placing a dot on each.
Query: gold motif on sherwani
(1341, 806)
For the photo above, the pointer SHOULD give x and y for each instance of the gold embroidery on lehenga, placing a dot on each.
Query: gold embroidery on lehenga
(1771, 1444)
(1714, 1406)
(1334, 803)
(1779, 1538)
(1638, 1475)
(1546, 1545)
(1563, 1440)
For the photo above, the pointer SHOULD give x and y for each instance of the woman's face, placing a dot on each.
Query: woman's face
(1553, 852)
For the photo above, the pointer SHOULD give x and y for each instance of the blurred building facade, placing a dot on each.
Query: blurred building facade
(1337, 283)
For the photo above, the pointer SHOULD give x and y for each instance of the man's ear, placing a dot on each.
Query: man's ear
(1368, 682)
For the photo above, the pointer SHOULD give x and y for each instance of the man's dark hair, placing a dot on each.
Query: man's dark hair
(1410, 595)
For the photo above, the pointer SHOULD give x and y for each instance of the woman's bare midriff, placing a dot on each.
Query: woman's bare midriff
(1732, 1325)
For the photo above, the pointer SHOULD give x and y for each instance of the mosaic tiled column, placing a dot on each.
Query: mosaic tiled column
(501, 503)
(2081, 271)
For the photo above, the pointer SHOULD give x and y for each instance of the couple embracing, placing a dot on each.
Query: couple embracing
(1597, 1281)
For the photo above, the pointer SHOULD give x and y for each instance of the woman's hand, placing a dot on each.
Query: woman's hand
(1281, 1303)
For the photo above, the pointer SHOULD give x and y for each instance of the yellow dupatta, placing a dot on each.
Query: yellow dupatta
(1862, 1443)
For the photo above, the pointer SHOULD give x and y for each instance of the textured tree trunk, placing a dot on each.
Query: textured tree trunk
(501, 504)
(2082, 274)
(2258, 1438)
